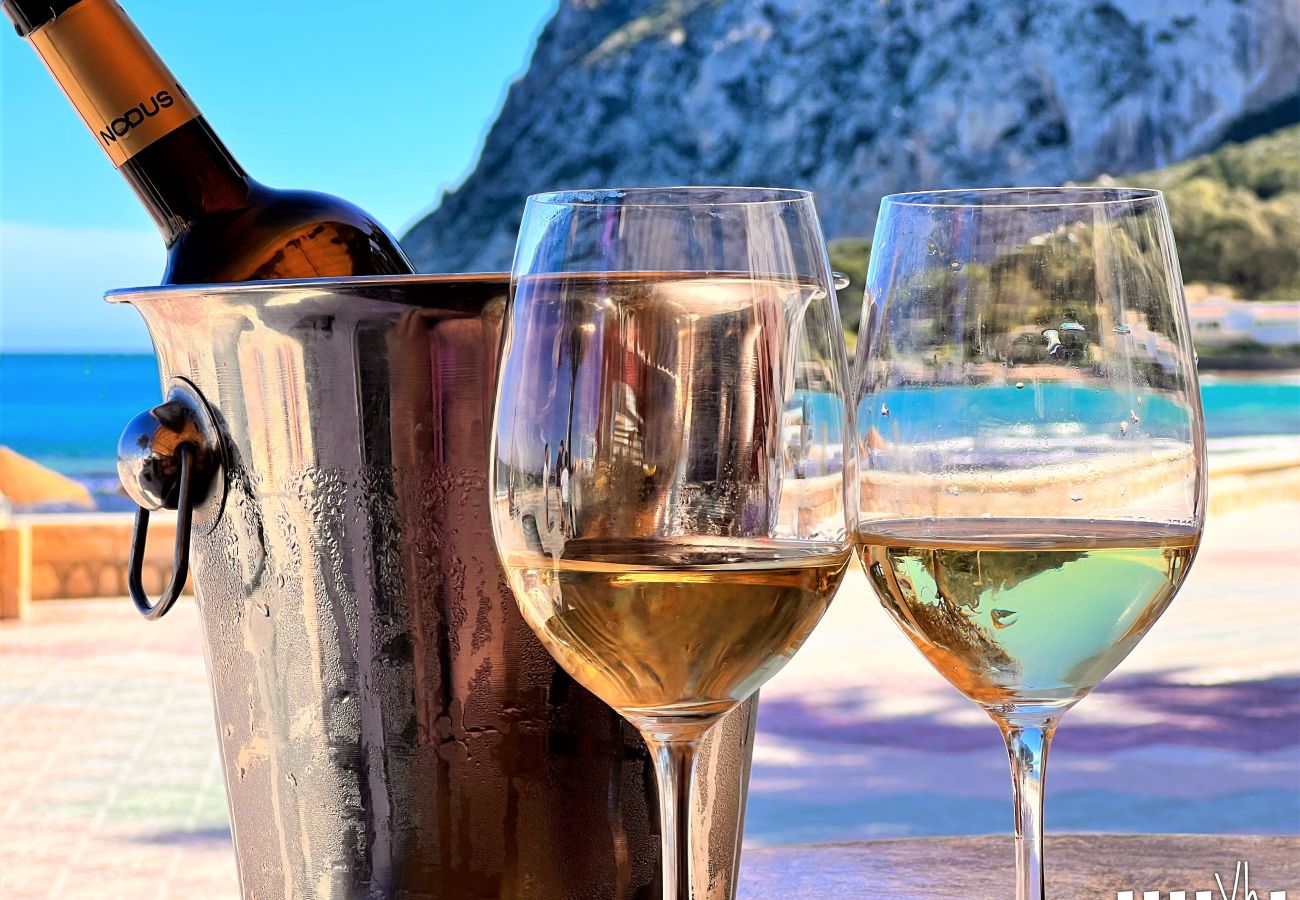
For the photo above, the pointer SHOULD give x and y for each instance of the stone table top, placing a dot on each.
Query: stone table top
(1079, 867)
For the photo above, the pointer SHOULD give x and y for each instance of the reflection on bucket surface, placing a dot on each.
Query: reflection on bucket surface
(389, 727)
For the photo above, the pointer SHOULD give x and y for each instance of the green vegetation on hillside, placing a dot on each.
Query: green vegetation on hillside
(1235, 214)
(850, 256)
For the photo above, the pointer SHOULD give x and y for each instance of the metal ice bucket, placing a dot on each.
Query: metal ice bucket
(389, 727)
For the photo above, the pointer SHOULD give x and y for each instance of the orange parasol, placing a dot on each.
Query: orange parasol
(27, 483)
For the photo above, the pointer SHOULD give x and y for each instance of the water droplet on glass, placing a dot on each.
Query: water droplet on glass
(1003, 618)
(242, 773)
(884, 410)
(955, 265)
(1076, 497)
(265, 608)
(954, 489)
(932, 248)
(1020, 385)
(289, 777)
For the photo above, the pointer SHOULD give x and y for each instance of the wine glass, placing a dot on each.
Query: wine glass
(669, 477)
(1032, 477)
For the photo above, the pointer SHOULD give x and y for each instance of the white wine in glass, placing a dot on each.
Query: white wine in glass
(1032, 456)
(671, 629)
(1023, 611)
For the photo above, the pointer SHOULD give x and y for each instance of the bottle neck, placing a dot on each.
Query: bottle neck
(185, 175)
(138, 112)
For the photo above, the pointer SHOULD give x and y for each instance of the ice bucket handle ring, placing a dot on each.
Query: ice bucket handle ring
(181, 555)
(169, 457)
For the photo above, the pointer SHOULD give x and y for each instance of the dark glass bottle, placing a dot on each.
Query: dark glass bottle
(218, 224)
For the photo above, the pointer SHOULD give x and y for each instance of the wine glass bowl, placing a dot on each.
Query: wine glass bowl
(670, 466)
(1032, 488)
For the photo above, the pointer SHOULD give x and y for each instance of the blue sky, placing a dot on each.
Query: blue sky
(385, 103)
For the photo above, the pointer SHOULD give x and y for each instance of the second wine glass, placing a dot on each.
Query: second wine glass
(1033, 477)
(668, 463)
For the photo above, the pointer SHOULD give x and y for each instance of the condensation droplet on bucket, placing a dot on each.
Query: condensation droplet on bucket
(230, 731)
(1076, 497)
(1020, 385)
(242, 773)
(265, 608)
(291, 778)
(955, 265)
(954, 489)
(932, 248)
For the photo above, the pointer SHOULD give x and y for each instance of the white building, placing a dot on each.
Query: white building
(1218, 320)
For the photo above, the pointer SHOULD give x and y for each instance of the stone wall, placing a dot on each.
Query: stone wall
(64, 556)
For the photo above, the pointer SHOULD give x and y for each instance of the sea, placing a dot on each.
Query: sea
(67, 410)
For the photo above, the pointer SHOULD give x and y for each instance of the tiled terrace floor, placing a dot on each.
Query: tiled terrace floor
(110, 785)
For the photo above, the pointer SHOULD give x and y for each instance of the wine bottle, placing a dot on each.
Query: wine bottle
(218, 223)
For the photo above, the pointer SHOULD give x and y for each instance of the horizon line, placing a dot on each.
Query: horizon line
(77, 351)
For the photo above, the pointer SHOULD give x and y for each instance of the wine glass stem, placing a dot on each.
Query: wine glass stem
(674, 760)
(1028, 739)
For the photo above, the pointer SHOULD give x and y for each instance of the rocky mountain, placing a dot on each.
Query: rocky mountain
(857, 98)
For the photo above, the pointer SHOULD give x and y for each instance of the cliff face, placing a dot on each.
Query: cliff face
(857, 98)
